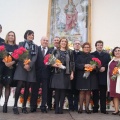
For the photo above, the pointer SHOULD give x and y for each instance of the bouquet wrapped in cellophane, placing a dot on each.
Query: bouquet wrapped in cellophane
(50, 59)
(95, 62)
(21, 54)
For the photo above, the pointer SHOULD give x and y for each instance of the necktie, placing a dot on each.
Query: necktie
(43, 51)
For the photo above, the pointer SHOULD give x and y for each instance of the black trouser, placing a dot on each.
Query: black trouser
(49, 100)
(100, 94)
(73, 99)
(34, 96)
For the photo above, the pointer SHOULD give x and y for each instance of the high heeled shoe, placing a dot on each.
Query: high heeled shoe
(115, 113)
(24, 110)
(88, 111)
(80, 111)
(5, 108)
(15, 110)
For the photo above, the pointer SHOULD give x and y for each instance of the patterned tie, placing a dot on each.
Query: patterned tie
(43, 51)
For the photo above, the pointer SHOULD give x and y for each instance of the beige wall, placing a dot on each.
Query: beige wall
(106, 22)
(20, 15)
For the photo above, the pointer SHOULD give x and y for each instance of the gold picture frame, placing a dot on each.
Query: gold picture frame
(88, 19)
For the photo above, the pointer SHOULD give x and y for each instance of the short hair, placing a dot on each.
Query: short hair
(28, 32)
(76, 40)
(6, 38)
(66, 42)
(86, 43)
(0, 26)
(99, 41)
(114, 50)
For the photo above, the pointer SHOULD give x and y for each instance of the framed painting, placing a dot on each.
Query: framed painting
(70, 18)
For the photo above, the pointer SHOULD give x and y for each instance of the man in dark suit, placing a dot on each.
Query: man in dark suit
(50, 90)
(42, 75)
(73, 93)
(104, 57)
(1, 40)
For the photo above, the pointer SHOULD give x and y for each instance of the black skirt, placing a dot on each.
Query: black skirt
(60, 80)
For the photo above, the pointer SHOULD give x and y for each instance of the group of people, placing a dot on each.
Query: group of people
(69, 82)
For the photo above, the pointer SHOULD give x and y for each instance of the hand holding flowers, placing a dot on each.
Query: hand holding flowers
(90, 67)
(50, 59)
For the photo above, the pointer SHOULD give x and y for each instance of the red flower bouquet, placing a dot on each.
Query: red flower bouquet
(95, 62)
(21, 54)
(3, 52)
(50, 59)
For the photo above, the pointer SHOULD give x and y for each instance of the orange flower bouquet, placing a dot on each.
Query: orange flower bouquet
(50, 59)
(95, 62)
(116, 71)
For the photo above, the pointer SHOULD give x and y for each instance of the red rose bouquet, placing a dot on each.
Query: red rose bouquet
(50, 59)
(21, 54)
(3, 52)
(95, 62)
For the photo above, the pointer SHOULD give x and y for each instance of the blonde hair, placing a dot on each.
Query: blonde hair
(6, 38)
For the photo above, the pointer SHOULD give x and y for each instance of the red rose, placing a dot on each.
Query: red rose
(46, 59)
(2, 48)
(20, 52)
(22, 49)
(15, 56)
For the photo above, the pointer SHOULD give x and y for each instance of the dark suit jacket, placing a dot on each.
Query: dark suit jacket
(104, 58)
(42, 70)
(1, 41)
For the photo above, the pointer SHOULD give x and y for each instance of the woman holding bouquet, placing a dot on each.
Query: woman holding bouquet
(113, 79)
(9, 67)
(60, 80)
(25, 73)
(86, 81)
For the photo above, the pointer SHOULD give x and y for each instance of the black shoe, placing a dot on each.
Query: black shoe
(104, 112)
(80, 111)
(43, 109)
(15, 110)
(24, 110)
(60, 110)
(33, 110)
(88, 111)
(115, 113)
(95, 111)
(5, 108)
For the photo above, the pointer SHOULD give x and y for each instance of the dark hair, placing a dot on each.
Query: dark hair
(114, 50)
(86, 43)
(28, 32)
(0, 26)
(99, 41)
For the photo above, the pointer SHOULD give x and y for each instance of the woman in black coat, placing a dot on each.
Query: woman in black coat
(8, 68)
(60, 80)
(85, 84)
(25, 74)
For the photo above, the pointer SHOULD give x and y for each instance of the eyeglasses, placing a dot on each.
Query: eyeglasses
(86, 47)
(77, 43)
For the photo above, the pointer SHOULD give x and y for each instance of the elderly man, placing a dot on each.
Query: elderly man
(73, 93)
(42, 75)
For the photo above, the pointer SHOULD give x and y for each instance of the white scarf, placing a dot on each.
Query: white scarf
(117, 82)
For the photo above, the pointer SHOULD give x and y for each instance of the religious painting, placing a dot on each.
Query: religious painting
(69, 18)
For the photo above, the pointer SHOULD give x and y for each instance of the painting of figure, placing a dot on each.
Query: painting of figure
(69, 18)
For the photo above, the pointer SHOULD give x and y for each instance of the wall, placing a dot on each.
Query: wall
(106, 22)
(20, 15)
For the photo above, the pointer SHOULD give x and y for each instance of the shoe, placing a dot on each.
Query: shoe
(80, 111)
(5, 108)
(95, 111)
(43, 109)
(88, 111)
(15, 110)
(24, 110)
(104, 112)
(33, 110)
(57, 110)
(60, 110)
(115, 113)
